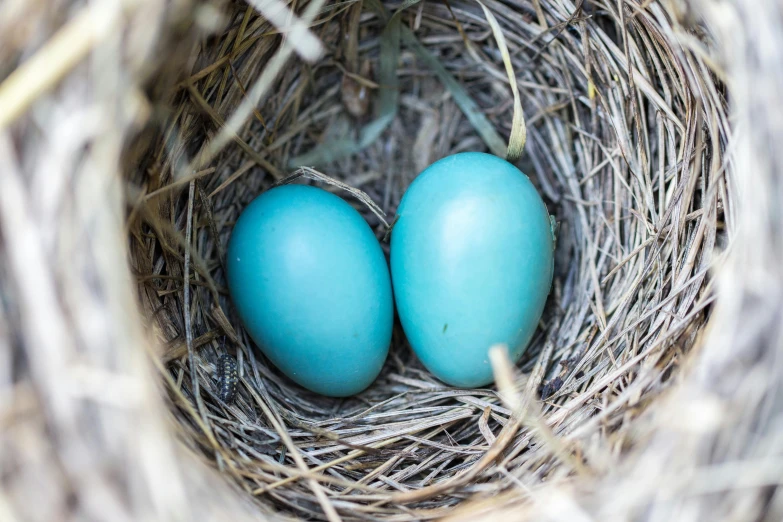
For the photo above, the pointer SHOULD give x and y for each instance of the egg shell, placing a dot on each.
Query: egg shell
(311, 285)
(472, 264)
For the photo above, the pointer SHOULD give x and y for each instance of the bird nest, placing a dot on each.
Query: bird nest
(624, 124)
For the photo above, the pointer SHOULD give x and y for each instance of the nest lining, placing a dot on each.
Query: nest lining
(629, 161)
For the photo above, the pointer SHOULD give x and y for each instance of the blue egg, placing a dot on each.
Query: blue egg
(471, 263)
(311, 285)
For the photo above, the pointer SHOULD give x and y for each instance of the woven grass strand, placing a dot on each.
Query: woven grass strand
(657, 353)
(516, 141)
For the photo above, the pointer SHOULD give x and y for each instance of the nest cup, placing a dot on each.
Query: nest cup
(627, 162)
(626, 127)
(626, 159)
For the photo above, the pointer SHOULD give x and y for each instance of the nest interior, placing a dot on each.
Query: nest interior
(626, 132)
(628, 159)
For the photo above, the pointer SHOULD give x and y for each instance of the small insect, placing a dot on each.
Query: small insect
(227, 378)
(356, 95)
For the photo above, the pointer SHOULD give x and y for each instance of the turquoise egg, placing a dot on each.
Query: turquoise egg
(471, 263)
(311, 285)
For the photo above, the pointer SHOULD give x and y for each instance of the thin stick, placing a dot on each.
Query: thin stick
(186, 299)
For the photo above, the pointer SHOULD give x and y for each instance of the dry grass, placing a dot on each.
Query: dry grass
(628, 138)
